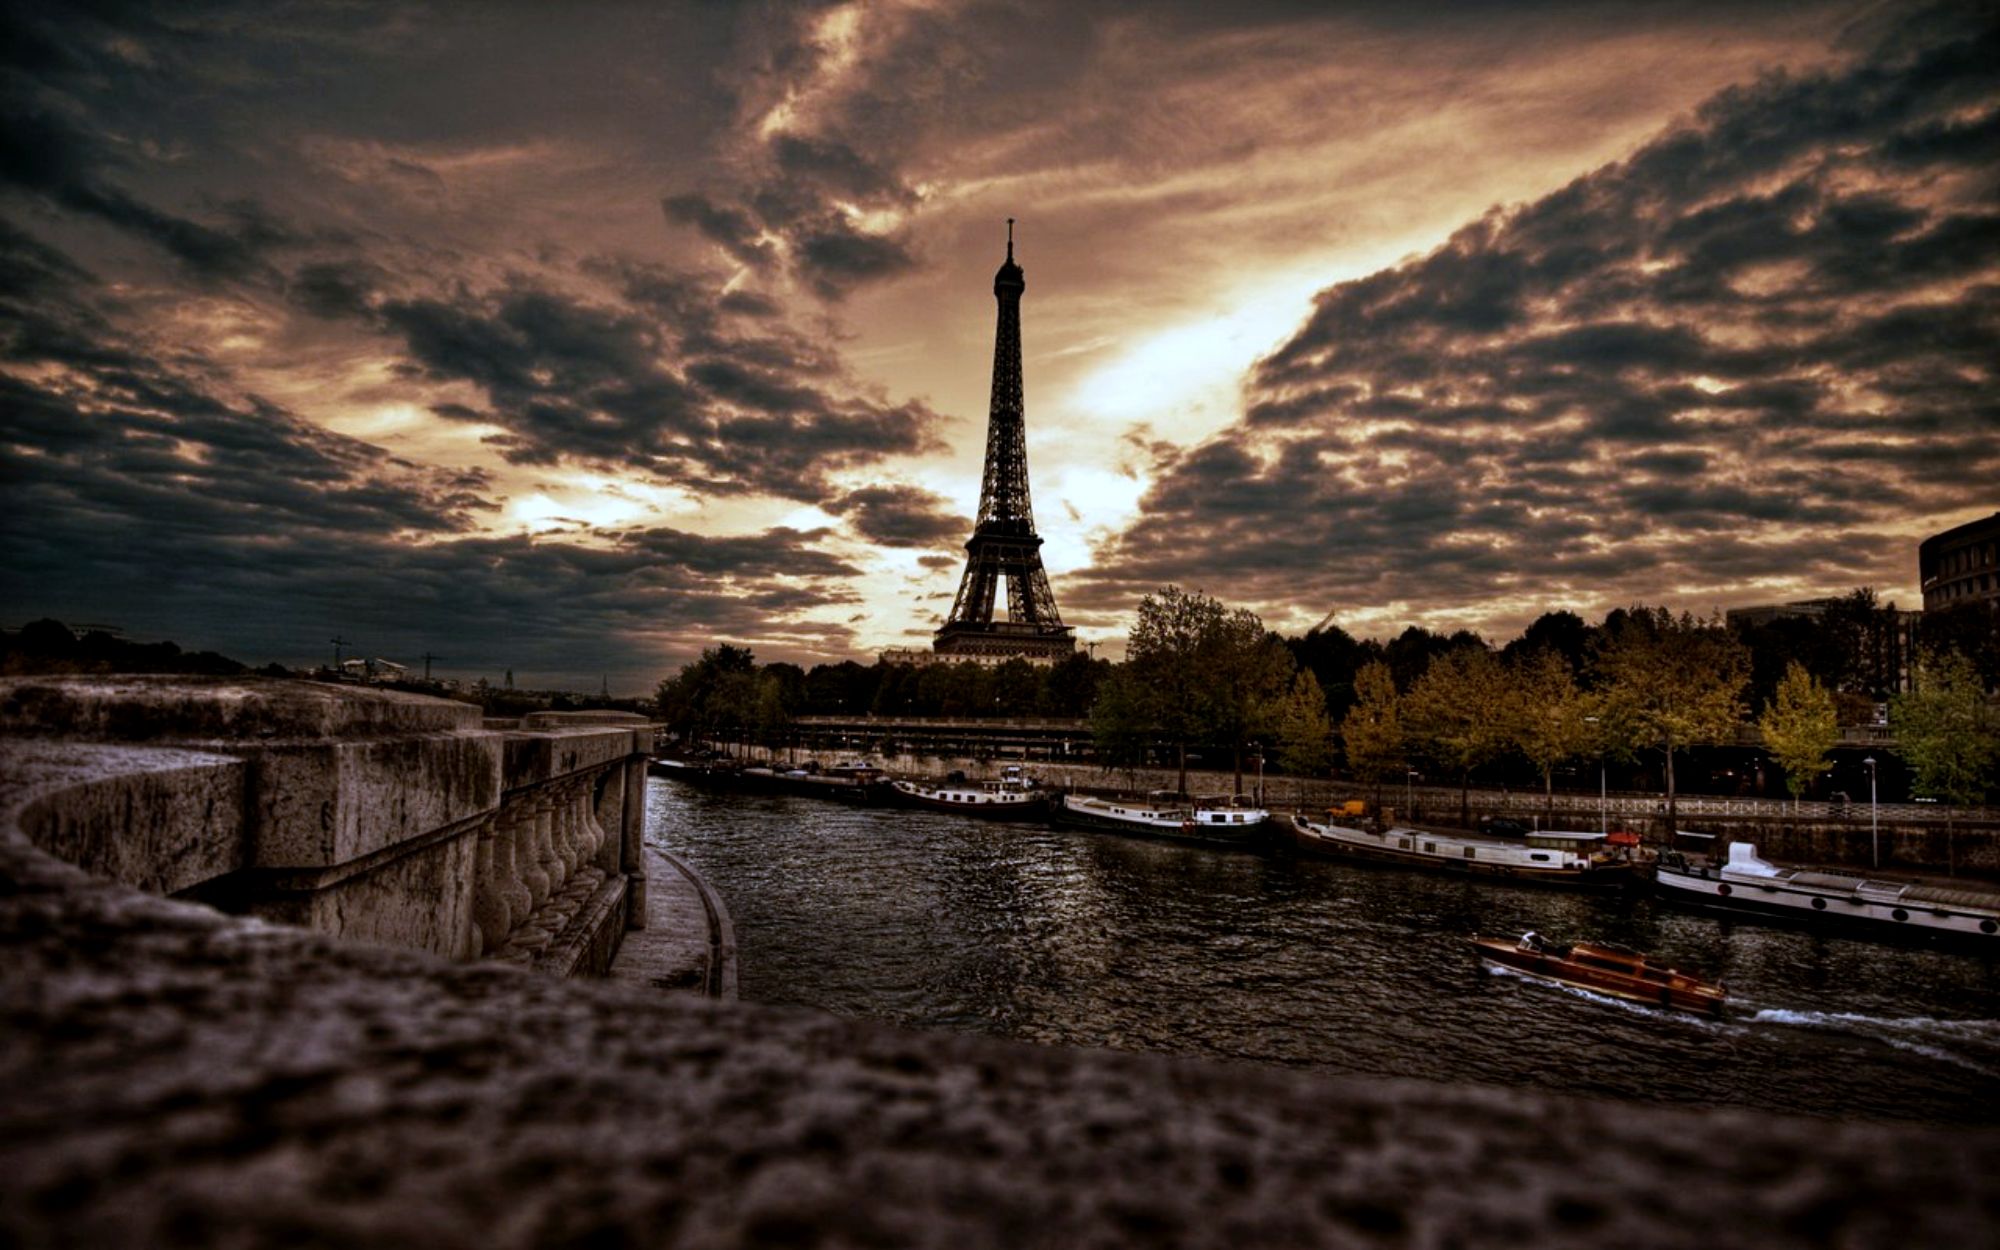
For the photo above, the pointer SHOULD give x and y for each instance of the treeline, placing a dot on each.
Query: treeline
(49, 646)
(727, 693)
(1202, 678)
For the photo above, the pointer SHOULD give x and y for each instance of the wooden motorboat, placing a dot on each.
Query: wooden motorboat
(1605, 970)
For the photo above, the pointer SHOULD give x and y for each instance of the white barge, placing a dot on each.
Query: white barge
(1565, 858)
(1015, 796)
(1747, 885)
(1219, 819)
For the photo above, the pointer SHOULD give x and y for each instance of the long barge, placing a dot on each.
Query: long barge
(1217, 820)
(1747, 886)
(845, 784)
(1015, 796)
(1571, 860)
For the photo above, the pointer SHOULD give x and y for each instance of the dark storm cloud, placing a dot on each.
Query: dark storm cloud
(137, 491)
(1747, 351)
(901, 516)
(663, 384)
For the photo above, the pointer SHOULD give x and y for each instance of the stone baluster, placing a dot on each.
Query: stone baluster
(547, 864)
(568, 834)
(489, 903)
(592, 842)
(510, 866)
(534, 874)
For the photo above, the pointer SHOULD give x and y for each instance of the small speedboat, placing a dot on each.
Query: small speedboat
(1605, 970)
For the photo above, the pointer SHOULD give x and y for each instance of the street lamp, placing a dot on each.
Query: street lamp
(1603, 792)
(1874, 824)
(1409, 780)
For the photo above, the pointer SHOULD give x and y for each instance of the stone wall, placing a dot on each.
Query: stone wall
(1911, 837)
(366, 814)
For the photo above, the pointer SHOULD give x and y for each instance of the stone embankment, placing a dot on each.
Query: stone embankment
(1910, 837)
(172, 1073)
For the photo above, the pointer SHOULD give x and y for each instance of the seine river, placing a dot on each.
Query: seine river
(1077, 939)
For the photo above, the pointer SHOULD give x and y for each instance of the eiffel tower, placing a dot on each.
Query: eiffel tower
(1004, 545)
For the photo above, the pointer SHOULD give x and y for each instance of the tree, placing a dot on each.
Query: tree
(1305, 731)
(1668, 682)
(1456, 714)
(1199, 672)
(1800, 728)
(1948, 732)
(1372, 731)
(1121, 719)
(714, 693)
(1548, 721)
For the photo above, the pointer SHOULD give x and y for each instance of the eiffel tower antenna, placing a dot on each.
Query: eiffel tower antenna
(1004, 546)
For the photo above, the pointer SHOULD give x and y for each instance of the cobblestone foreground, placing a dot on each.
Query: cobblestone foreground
(171, 1075)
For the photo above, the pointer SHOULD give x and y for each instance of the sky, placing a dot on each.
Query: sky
(573, 339)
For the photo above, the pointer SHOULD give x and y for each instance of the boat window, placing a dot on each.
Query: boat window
(1403, 842)
(1900, 914)
(1472, 852)
(1539, 858)
(1430, 848)
(1819, 904)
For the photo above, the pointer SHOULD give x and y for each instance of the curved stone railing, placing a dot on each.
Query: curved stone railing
(362, 813)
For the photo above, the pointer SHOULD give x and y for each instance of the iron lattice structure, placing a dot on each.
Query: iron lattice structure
(1004, 545)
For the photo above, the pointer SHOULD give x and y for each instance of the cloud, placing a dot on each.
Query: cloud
(901, 516)
(1747, 356)
(139, 491)
(659, 382)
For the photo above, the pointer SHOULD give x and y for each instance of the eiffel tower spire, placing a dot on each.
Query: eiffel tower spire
(1004, 546)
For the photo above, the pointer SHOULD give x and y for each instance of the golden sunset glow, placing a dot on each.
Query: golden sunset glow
(681, 322)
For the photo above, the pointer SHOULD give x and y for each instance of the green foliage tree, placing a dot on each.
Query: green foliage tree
(1667, 682)
(1457, 715)
(712, 695)
(1947, 729)
(1371, 733)
(1198, 672)
(1548, 715)
(1121, 719)
(1305, 731)
(1800, 728)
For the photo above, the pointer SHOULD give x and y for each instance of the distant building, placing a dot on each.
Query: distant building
(1884, 655)
(1961, 565)
(919, 657)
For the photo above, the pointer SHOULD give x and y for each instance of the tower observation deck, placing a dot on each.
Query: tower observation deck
(1004, 548)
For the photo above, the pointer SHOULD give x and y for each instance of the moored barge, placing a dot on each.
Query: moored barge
(1745, 885)
(1015, 796)
(1215, 820)
(1563, 858)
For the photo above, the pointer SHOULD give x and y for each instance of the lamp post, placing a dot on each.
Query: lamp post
(1409, 780)
(1874, 823)
(1603, 791)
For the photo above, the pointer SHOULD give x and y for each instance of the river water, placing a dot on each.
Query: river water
(945, 922)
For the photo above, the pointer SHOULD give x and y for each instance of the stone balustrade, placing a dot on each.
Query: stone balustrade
(361, 813)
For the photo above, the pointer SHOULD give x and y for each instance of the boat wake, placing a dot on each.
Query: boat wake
(1942, 1040)
(1623, 1004)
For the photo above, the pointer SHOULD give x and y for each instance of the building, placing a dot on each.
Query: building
(1961, 565)
(1004, 548)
